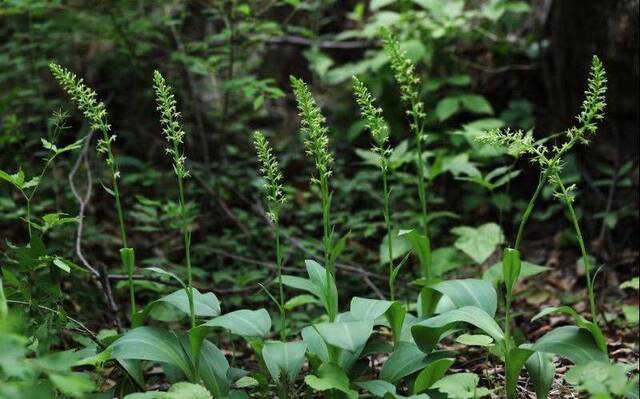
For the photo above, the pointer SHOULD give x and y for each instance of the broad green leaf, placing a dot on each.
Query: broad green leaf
(179, 390)
(373, 309)
(541, 371)
(348, 335)
(245, 323)
(572, 343)
(315, 343)
(153, 344)
(16, 179)
(329, 377)
(369, 309)
(325, 285)
(514, 363)
(76, 385)
(581, 322)
(405, 360)
(284, 358)
(446, 259)
(301, 284)
(204, 305)
(214, 369)
(476, 104)
(469, 292)
(461, 386)
(428, 333)
(428, 301)
(478, 242)
(432, 372)
(447, 107)
(186, 390)
(602, 379)
(377, 388)
(460, 166)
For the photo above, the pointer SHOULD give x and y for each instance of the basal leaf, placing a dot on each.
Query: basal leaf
(428, 333)
(331, 377)
(245, 323)
(469, 292)
(541, 371)
(153, 344)
(572, 343)
(478, 242)
(284, 358)
(348, 335)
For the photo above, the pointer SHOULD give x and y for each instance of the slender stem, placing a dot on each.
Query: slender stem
(187, 248)
(113, 169)
(387, 220)
(327, 241)
(283, 330)
(507, 319)
(418, 129)
(29, 217)
(326, 225)
(551, 166)
(529, 209)
(583, 250)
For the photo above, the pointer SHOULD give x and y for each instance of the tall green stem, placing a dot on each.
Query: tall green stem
(583, 250)
(422, 196)
(187, 248)
(113, 170)
(327, 238)
(529, 209)
(387, 221)
(283, 330)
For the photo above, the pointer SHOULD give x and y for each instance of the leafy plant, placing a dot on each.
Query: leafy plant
(29, 188)
(174, 135)
(604, 379)
(316, 141)
(275, 199)
(380, 133)
(95, 112)
(404, 72)
(551, 167)
(24, 374)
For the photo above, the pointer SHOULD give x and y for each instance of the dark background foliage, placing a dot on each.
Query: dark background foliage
(229, 62)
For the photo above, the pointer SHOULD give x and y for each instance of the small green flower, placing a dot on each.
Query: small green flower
(314, 129)
(83, 96)
(403, 69)
(372, 116)
(270, 170)
(550, 162)
(94, 110)
(171, 128)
